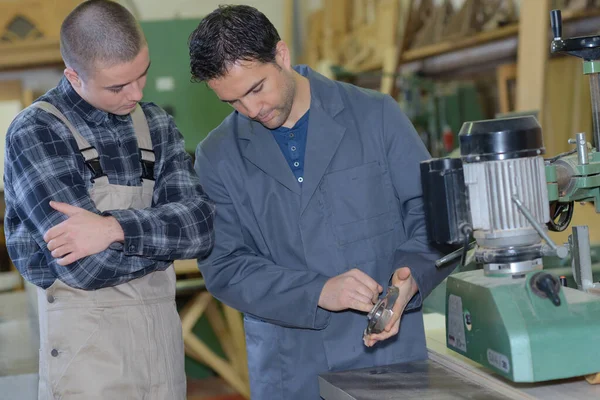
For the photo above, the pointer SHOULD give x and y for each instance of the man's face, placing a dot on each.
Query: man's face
(263, 92)
(116, 89)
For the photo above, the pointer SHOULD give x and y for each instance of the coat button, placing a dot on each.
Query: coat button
(50, 298)
(54, 353)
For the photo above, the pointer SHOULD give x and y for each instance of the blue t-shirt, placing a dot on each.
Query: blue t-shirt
(292, 142)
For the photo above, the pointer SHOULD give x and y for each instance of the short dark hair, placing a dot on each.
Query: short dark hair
(229, 34)
(99, 32)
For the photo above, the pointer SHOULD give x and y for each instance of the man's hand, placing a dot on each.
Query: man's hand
(404, 281)
(351, 290)
(82, 234)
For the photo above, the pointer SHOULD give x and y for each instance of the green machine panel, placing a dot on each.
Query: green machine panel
(503, 324)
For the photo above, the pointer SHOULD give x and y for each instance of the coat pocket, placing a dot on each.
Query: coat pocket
(360, 205)
(357, 193)
(265, 367)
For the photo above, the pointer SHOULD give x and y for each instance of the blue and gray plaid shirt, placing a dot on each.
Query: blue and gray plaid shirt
(42, 163)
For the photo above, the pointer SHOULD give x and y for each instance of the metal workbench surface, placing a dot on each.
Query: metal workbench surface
(444, 378)
(414, 380)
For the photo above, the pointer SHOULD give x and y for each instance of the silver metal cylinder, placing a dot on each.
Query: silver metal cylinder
(582, 153)
(595, 97)
(497, 221)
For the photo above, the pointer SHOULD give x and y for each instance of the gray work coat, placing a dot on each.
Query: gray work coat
(277, 242)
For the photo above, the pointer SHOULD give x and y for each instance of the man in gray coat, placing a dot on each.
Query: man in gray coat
(319, 208)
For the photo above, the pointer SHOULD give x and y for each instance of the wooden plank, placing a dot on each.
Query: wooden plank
(312, 52)
(532, 54)
(480, 38)
(504, 74)
(186, 267)
(217, 323)
(389, 20)
(27, 97)
(449, 46)
(192, 312)
(201, 352)
(30, 53)
(288, 26)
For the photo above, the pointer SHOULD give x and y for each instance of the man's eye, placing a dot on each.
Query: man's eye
(257, 89)
(115, 90)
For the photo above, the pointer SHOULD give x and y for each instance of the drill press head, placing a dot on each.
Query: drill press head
(499, 178)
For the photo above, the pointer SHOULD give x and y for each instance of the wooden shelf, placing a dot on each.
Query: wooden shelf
(449, 46)
(30, 53)
(482, 38)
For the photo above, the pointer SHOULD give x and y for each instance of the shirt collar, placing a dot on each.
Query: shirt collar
(300, 123)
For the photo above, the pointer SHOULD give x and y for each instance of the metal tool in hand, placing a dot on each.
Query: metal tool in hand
(382, 312)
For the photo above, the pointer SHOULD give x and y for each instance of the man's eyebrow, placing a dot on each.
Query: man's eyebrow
(118, 86)
(247, 92)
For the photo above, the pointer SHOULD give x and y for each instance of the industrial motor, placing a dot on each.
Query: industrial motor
(499, 178)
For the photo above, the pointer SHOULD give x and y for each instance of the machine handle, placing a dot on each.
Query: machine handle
(454, 255)
(556, 23)
(547, 284)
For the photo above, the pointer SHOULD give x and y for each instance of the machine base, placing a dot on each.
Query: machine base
(500, 323)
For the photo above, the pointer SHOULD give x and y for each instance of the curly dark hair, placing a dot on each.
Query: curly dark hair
(229, 34)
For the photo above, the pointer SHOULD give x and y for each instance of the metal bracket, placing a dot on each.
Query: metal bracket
(381, 313)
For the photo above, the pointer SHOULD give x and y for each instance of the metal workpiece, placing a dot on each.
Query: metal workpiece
(381, 313)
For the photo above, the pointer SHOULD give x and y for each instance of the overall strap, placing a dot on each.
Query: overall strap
(142, 133)
(89, 153)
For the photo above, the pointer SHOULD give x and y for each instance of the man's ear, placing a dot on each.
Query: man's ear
(73, 77)
(282, 56)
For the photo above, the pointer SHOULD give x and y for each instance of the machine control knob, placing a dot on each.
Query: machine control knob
(546, 285)
(556, 23)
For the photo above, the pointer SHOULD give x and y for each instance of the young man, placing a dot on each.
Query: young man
(101, 197)
(319, 197)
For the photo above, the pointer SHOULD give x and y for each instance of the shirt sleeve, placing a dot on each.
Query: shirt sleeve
(179, 225)
(41, 166)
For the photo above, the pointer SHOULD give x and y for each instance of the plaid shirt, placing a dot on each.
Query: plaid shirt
(42, 163)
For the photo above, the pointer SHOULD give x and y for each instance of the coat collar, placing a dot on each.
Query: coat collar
(323, 139)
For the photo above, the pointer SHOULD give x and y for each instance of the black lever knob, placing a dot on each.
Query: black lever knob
(548, 285)
(556, 23)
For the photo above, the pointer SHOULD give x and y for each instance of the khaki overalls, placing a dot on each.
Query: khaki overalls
(121, 342)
